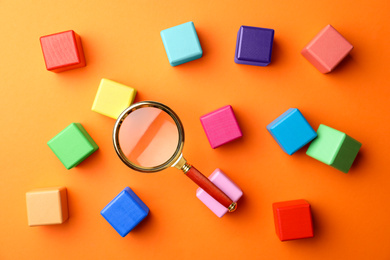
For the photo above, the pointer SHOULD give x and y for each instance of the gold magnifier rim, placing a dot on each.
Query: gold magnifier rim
(123, 116)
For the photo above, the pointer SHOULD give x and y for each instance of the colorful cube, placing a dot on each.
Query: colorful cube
(47, 206)
(334, 148)
(291, 131)
(72, 145)
(181, 43)
(224, 184)
(327, 49)
(112, 98)
(254, 46)
(221, 126)
(293, 220)
(125, 211)
(62, 51)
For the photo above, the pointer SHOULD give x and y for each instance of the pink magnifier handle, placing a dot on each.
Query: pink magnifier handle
(211, 189)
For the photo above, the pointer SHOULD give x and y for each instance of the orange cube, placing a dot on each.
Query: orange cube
(47, 206)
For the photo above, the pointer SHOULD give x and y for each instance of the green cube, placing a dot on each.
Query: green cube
(72, 145)
(334, 148)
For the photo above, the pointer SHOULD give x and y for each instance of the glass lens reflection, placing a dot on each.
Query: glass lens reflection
(148, 137)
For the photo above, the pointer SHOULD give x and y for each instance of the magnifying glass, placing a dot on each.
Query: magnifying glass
(149, 137)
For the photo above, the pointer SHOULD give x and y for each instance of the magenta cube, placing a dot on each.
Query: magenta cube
(224, 184)
(221, 126)
(327, 49)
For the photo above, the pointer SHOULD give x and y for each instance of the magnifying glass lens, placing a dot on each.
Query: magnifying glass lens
(148, 137)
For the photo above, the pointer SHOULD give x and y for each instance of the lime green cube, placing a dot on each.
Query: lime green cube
(72, 145)
(334, 148)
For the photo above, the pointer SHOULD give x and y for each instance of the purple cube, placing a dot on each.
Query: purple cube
(254, 46)
(221, 126)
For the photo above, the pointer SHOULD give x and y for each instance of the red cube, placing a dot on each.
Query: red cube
(293, 220)
(62, 51)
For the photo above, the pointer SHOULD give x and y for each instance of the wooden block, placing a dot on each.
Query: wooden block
(327, 49)
(62, 51)
(125, 211)
(72, 145)
(293, 220)
(291, 131)
(221, 126)
(254, 46)
(224, 184)
(47, 206)
(181, 43)
(334, 148)
(112, 98)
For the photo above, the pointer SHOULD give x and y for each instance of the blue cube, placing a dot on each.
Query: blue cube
(125, 211)
(291, 131)
(254, 46)
(181, 43)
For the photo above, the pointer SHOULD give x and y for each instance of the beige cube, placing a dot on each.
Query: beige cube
(47, 206)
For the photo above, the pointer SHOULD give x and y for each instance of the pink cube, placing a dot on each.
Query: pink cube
(327, 49)
(224, 184)
(221, 126)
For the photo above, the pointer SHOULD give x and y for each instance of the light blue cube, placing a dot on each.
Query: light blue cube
(125, 211)
(291, 131)
(181, 43)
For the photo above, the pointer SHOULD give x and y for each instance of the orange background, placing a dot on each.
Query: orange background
(122, 42)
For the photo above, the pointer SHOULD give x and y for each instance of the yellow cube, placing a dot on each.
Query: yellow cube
(47, 206)
(112, 98)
